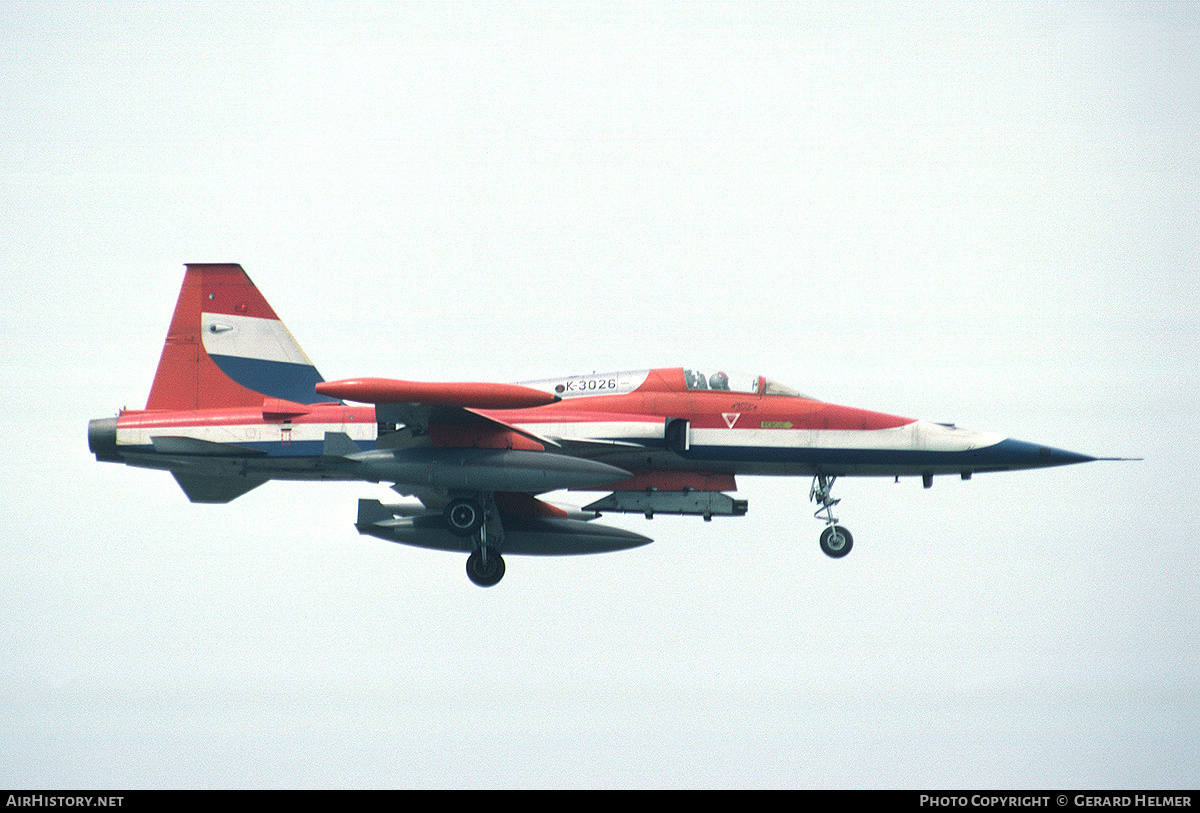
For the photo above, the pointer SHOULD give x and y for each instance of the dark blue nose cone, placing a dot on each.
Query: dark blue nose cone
(1017, 454)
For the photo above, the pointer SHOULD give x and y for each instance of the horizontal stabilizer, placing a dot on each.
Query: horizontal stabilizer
(215, 489)
(339, 444)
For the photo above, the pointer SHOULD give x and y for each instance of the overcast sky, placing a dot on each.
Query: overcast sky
(981, 213)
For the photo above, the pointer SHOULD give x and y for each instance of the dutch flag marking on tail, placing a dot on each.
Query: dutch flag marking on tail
(227, 348)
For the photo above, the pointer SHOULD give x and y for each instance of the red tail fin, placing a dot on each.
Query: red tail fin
(227, 348)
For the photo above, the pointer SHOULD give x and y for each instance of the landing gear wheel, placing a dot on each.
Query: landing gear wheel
(836, 541)
(463, 516)
(485, 573)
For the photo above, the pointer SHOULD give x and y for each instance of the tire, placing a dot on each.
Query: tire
(463, 516)
(489, 575)
(836, 541)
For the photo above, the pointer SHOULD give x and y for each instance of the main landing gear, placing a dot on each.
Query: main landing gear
(479, 519)
(836, 541)
(485, 566)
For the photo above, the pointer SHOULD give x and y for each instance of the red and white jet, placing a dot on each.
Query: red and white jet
(236, 402)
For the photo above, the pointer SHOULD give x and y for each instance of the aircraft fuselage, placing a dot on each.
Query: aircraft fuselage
(717, 432)
(236, 403)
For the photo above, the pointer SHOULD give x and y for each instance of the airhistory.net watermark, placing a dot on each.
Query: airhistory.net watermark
(45, 800)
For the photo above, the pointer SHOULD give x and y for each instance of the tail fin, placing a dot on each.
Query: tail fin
(227, 348)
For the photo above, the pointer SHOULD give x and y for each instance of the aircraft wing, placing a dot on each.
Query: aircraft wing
(418, 405)
(476, 395)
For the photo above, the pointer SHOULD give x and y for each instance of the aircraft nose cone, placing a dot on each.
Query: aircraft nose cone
(1019, 454)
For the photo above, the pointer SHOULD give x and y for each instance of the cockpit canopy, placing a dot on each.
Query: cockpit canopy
(717, 379)
(663, 380)
(720, 380)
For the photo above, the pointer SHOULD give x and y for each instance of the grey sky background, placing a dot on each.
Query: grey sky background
(981, 213)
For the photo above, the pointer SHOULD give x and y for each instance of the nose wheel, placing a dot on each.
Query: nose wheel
(836, 541)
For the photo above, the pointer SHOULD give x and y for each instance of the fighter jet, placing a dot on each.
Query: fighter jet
(235, 402)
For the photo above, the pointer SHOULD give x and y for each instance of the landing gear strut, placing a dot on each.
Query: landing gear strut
(479, 519)
(836, 541)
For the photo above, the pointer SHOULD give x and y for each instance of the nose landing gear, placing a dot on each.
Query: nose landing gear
(836, 541)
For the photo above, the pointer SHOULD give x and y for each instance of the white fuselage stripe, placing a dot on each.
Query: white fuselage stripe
(922, 435)
(245, 433)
